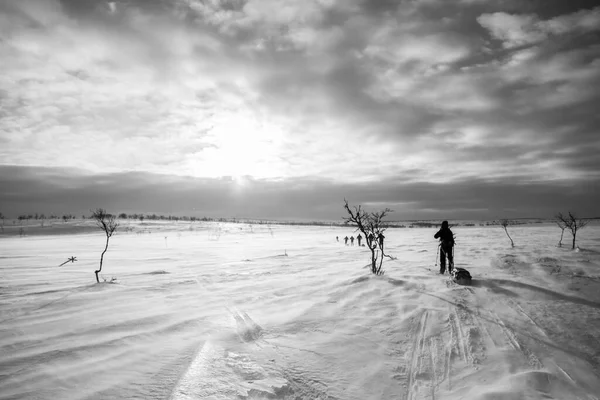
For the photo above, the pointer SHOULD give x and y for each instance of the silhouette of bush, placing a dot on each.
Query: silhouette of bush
(505, 223)
(107, 223)
(572, 222)
(372, 227)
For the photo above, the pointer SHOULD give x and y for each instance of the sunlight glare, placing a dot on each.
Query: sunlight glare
(242, 146)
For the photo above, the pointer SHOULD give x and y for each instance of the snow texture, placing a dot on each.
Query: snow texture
(233, 311)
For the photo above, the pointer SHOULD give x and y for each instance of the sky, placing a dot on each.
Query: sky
(437, 109)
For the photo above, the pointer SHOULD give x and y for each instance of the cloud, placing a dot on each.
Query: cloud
(512, 30)
(520, 30)
(351, 92)
(580, 22)
(51, 190)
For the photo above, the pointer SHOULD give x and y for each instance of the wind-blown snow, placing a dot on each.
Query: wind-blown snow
(223, 313)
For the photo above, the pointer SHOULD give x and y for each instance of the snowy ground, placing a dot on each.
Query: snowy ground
(219, 311)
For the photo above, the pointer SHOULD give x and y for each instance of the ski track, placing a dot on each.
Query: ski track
(460, 339)
(489, 321)
(542, 333)
(433, 358)
(432, 353)
(300, 385)
(565, 373)
(475, 325)
(437, 347)
(448, 360)
(516, 306)
(416, 359)
(510, 335)
(513, 337)
(467, 326)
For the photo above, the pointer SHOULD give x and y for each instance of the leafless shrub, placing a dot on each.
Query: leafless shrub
(372, 227)
(573, 223)
(505, 223)
(109, 225)
(562, 227)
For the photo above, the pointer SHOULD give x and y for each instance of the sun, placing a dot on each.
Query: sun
(240, 147)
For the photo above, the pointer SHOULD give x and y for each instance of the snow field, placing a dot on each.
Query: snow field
(221, 312)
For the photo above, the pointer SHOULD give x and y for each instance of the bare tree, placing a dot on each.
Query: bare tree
(505, 223)
(109, 225)
(562, 227)
(573, 223)
(372, 227)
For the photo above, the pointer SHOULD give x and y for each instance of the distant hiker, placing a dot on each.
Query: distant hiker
(359, 238)
(446, 247)
(380, 237)
(351, 240)
(370, 239)
(337, 238)
(346, 240)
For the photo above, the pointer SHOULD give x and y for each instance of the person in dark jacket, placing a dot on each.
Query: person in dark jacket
(370, 240)
(446, 247)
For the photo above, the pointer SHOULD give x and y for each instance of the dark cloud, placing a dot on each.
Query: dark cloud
(97, 9)
(48, 190)
(549, 9)
(379, 7)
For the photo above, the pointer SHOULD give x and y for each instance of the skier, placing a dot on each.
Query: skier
(446, 247)
(359, 238)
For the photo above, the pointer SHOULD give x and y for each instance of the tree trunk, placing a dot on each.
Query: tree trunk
(574, 235)
(561, 238)
(101, 259)
(373, 261)
(511, 241)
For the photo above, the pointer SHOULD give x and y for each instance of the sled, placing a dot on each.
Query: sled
(461, 276)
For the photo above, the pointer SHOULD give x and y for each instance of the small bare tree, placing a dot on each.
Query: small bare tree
(505, 223)
(562, 227)
(372, 227)
(573, 223)
(109, 225)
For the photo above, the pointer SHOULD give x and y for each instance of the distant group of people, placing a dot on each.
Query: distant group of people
(446, 247)
(359, 238)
